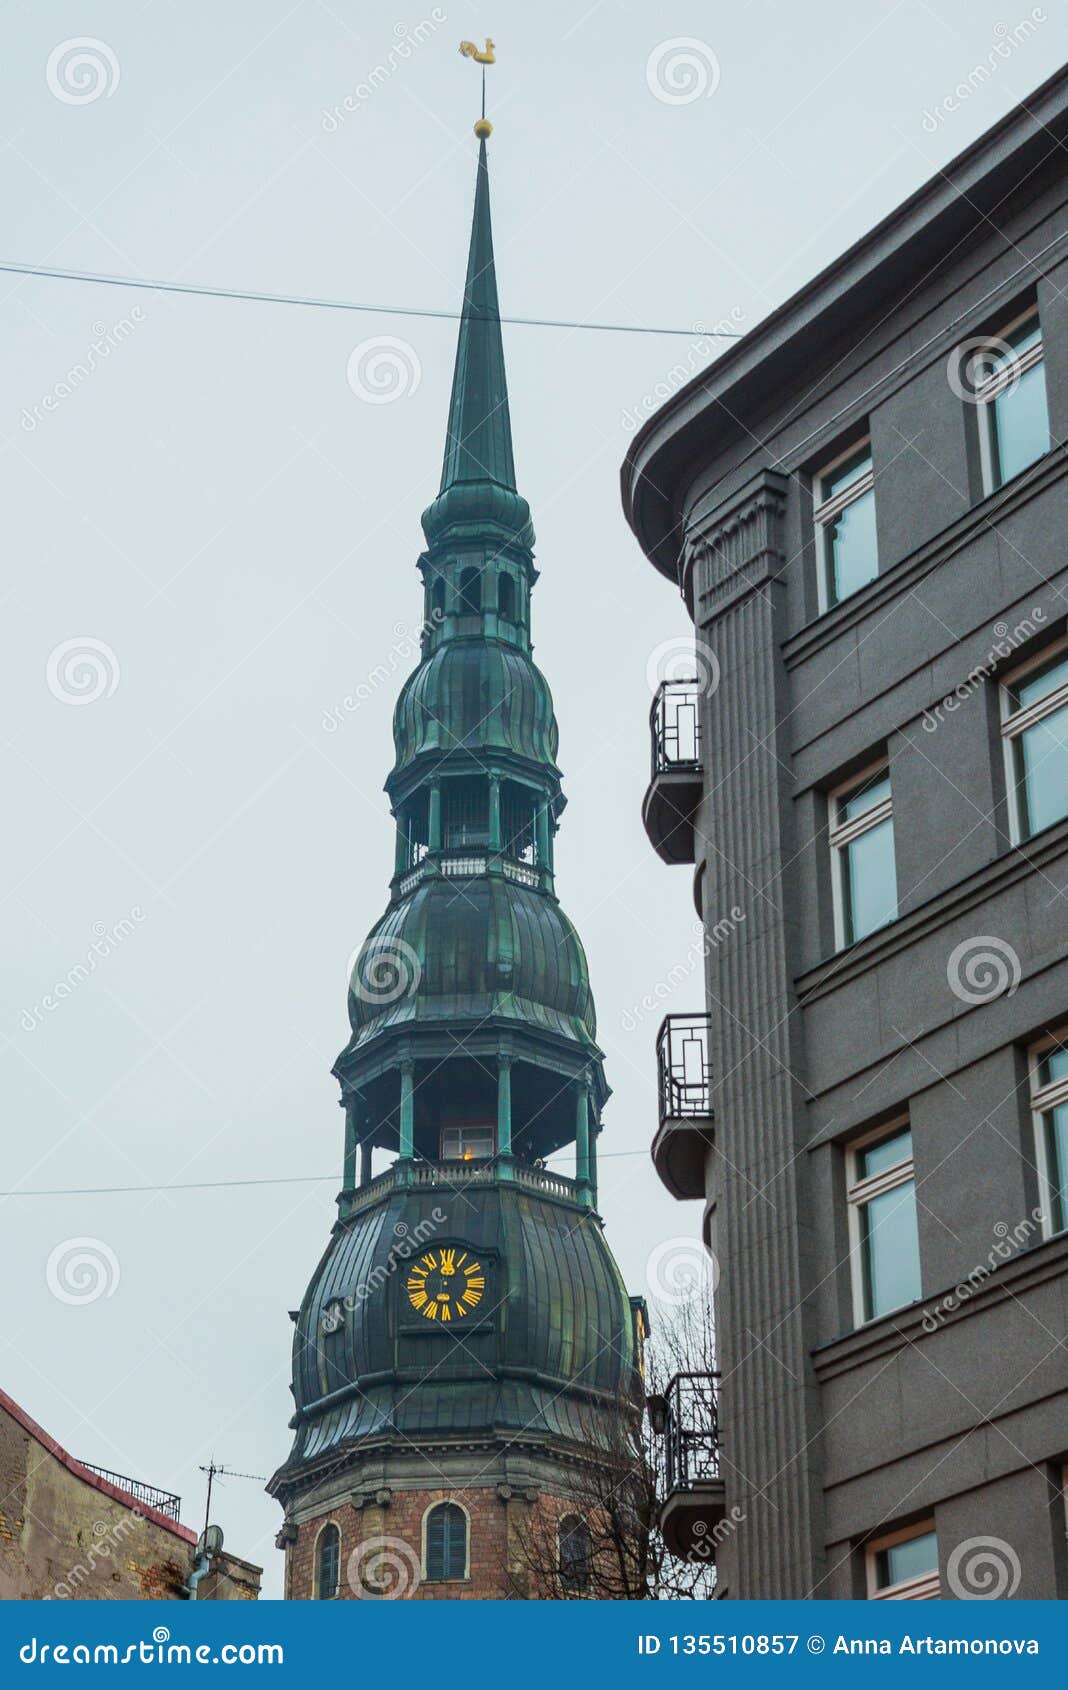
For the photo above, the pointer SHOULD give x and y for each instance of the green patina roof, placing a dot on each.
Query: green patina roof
(475, 695)
(484, 947)
(555, 1331)
(478, 474)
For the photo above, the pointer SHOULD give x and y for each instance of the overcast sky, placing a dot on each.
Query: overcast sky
(209, 544)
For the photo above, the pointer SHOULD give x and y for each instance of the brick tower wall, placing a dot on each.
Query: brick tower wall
(382, 1547)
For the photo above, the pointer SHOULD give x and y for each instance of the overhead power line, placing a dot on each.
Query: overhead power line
(207, 291)
(221, 1184)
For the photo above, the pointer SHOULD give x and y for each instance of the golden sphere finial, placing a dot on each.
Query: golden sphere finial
(483, 129)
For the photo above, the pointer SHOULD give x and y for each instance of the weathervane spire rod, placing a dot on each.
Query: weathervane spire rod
(483, 128)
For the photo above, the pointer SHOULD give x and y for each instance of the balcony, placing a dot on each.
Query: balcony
(684, 1084)
(693, 1501)
(674, 790)
(454, 1178)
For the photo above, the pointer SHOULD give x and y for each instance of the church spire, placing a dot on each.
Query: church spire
(478, 472)
(479, 443)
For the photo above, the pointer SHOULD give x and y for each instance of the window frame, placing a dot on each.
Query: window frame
(859, 1193)
(841, 835)
(1043, 1100)
(465, 1576)
(461, 1127)
(924, 1587)
(567, 1581)
(825, 510)
(327, 1526)
(987, 393)
(1015, 723)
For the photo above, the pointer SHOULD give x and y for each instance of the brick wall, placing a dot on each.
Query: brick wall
(384, 1546)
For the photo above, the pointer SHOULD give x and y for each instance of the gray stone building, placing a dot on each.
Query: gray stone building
(865, 506)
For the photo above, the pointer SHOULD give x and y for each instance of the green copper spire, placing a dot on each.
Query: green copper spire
(479, 444)
(478, 473)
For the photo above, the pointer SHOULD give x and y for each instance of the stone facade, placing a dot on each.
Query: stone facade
(948, 1414)
(66, 1533)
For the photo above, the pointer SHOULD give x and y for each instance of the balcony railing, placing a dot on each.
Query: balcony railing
(675, 723)
(163, 1501)
(684, 1075)
(467, 865)
(691, 1432)
(456, 1177)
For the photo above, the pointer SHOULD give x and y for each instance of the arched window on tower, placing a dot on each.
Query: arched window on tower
(327, 1563)
(437, 599)
(575, 1551)
(446, 1543)
(506, 598)
(471, 592)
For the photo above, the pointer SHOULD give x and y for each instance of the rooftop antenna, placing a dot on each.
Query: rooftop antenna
(214, 1470)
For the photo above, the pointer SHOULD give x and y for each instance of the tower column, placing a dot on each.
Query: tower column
(495, 812)
(582, 1144)
(348, 1178)
(365, 1160)
(504, 1114)
(407, 1111)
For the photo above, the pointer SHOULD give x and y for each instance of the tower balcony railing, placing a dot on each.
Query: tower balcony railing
(457, 1176)
(692, 1501)
(684, 1085)
(468, 862)
(676, 780)
(163, 1501)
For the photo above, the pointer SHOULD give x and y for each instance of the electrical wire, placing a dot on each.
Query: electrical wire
(208, 291)
(220, 1184)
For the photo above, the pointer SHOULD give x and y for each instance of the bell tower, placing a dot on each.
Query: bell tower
(466, 1353)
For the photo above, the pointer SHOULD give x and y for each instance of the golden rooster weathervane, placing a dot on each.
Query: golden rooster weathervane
(483, 128)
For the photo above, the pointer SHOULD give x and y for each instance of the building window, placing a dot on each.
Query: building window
(1049, 1099)
(445, 1555)
(575, 1552)
(472, 1142)
(437, 599)
(506, 598)
(327, 1563)
(902, 1566)
(844, 515)
(1034, 724)
(862, 855)
(1008, 379)
(882, 1215)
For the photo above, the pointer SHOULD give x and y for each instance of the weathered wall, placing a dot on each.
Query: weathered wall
(64, 1535)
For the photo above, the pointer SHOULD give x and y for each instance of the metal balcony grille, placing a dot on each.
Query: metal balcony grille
(684, 1076)
(163, 1501)
(691, 1431)
(675, 725)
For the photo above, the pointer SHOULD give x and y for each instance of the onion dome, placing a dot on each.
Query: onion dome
(549, 1348)
(473, 949)
(482, 695)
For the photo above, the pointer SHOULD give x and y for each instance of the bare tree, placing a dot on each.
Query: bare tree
(603, 1541)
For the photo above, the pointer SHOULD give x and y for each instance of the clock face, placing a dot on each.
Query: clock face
(446, 1284)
